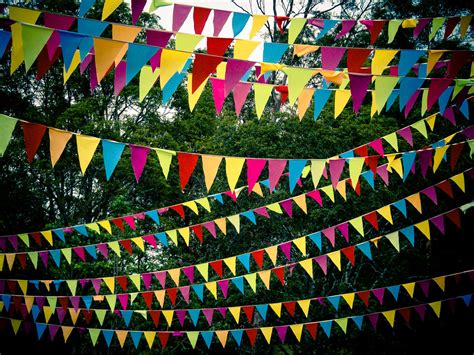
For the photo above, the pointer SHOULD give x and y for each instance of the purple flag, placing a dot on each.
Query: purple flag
(138, 156)
(359, 86)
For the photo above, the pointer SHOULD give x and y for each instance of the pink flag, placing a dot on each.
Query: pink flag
(262, 211)
(181, 315)
(359, 86)
(123, 299)
(137, 9)
(147, 280)
(281, 331)
(377, 146)
(331, 56)
(287, 207)
(241, 91)
(330, 234)
(224, 286)
(335, 169)
(189, 272)
(138, 156)
(211, 227)
(208, 313)
(344, 229)
(161, 277)
(254, 169)
(96, 283)
(180, 13)
(275, 169)
(286, 249)
(235, 70)
(220, 18)
(346, 27)
(438, 221)
(430, 192)
(437, 87)
(379, 293)
(185, 292)
(218, 93)
(102, 248)
(383, 173)
(405, 133)
(316, 195)
(322, 261)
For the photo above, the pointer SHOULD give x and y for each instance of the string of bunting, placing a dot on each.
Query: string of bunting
(200, 16)
(187, 162)
(130, 220)
(258, 255)
(173, 63)
(237, 334)
(362, 248)
(36, 305)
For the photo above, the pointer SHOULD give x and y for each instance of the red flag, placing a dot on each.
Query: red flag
(187, 163)
(200, 16)
(33, 134)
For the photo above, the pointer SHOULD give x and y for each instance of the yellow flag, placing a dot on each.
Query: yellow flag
(434, 56)
(192, 206)
(431, 120)
(424, 227)
(204, 202)
(114, 246)
(171, 63)
(66, 332)
(438, 156)
(173, 235)
(243, 49)
(257, 23)
(86, 147)
(267, 333)
(233, 168)
(168, 314)
(341, 99)
(150, 337)
(76, 60)
(304, 305)
(275, 207)
(23, 285)
(441, 282)
(17, 56)
(148, 77)
(335, 257)
(110, 282)
(193, 97)
(381, 59)
(410, 288)
(349, 298)
(212, 287)
(47, 313)
(23, 15)
(459, 181)
(235, 311)
(300, 243)
(57, 142)
(265, 277)
(276, 307)
(436, 306)
(386, 213)
(74, 315)
(48, 236)
(328, 190)
(109, 7)
(297, 330)
(358, 224)
(307, 265)
(394, 238)
(231, 264)
(390, 316)
(184, 232)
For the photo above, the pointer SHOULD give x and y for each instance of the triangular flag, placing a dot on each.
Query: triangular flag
(86, 147)
(34, 39)
(57, 142)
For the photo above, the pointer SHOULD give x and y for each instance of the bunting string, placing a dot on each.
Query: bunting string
(299, 243)
(36, 305)
(293, 26)
(237, 334)
(187, 162)
(173, 62)
(362, 248)
(131, 220)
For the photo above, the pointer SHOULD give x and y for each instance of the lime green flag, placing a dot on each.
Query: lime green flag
(297, 80)
(262, 94)
(393, 27)
(34, 39)
(7, 125)
(384, 86)
(437, 23)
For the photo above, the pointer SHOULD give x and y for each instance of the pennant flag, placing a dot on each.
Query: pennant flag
(220, 18)
(106, 53)
(374, 27)
(408, 58)
(356, 57)
(437, 87)
(138, 157)
(86, 147)
(359, 86)
(171, 62)
(204, 66)
(180, 13)
(296, 26)
(340, 101)
(331, 56)
(34, 39)
(321, 97)
(235, 70)
(57, 142)
(384, 86)
(393, 26)
(295, 169)
(111, 151)
(297, 80)
(262, 94)
(233, 169)
(187, 163)
(138, 55)
(200, 16)
(436, 25)
(381, 59)
(239, 20)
